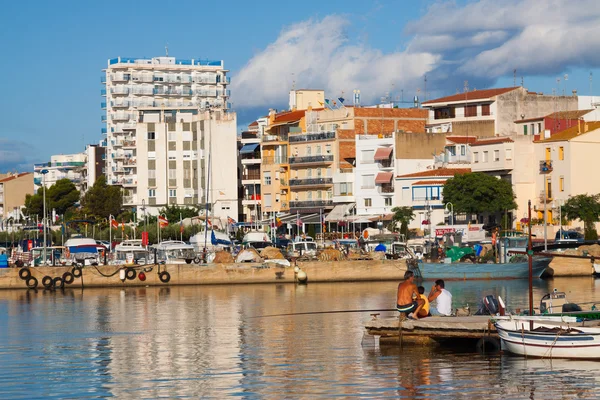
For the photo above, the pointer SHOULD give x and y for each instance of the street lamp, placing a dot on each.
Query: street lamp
(110, 220)
(558, 205)
(451, 212)
(44, 172)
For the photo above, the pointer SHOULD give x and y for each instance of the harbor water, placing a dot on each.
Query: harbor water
(206, 341)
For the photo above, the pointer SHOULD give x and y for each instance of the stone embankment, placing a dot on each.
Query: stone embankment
(564, 266)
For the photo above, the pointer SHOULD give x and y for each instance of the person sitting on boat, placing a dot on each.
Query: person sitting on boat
(425, 310)
(442, 298)
(407, 300)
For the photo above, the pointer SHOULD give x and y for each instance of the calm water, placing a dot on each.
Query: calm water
(203, 342)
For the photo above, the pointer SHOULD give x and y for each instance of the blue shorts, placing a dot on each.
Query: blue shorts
(408, 308)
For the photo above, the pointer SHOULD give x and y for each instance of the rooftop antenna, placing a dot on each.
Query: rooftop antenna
(591, 96)
(425, 88)
(167, 49)
(515, 77)
(566, 78)
(522, 82)
(293, 82)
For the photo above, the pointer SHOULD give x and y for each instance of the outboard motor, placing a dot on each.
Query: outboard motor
(490, 306)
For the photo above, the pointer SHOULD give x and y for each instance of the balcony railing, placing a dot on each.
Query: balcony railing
(311, 181)
(253, 197)
(545, 197)
(129, 143)
(103, 105)
(389, 189)
(275, 138)
(249, 135)
(120, 117)
(119, 90)
(102, 92)
(384, 164)
(103, 131)
(310, 203)
(251, 156)
(312, 137)
(274, 160)
(311, 159)
(426, 198)
(248, 177)
(117, 104)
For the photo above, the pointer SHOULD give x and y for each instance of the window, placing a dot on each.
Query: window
(485, 158)
(388, 201)
(309, 196)
(328, 148)
(309, 172)
(308, 150)
(367, 156)
(267, 177)
(562, 183)
(548, 153)
(463, 150)
(319, 172)
(172, 192)
(524, 129)
(451, 150)
(496, 155)
(267, 199)
(151, 192)
(368, 203)
(485, 109)
(539, 127)
(318, 149)
(152, 173)
(172, 174)
(368, 181)
(509, 154)
(475, 157)
(151, 135)
(172, 136)
(471, 111)
(561, 153)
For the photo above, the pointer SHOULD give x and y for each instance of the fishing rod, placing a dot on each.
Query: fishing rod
(323, 312)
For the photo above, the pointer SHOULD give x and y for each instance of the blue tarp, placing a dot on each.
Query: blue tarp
(249, 148)
(214, 241)
(83, 249)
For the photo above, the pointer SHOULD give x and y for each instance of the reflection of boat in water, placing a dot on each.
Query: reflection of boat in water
(174, 252)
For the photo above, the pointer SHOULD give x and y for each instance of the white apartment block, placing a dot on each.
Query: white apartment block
(155, 83)
(61, 166)
(183, 157)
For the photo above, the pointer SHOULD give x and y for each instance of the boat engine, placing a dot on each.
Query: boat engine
(490, 306)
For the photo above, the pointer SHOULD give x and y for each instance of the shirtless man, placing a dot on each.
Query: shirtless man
(408, 300)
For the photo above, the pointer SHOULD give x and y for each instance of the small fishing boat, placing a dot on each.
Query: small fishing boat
(549, 337)
(174, 252)
(84, 251)
(130, 252)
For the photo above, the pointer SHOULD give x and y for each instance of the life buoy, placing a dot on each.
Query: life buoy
(32, 282)
(68, 278)
(76, 271)
(58, 283)
(130, 274)
(47, 282)
(24, 273)
(164, 277)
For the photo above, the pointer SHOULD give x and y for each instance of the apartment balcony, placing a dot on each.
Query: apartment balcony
(254, 199)
(129, 126)
(103, 92)
(251, 177)
(297, 183)
(119, 117)
(322, 159)
(131, 144)
(130, 162)
(129, 200)
(119, 91)
(142, 78)
(386, 190)
(250, 159)
(120, 104)
(311, 203)
(103, 79)
(103, 118)
(546, 167)
(120, 77)
(103, 105)
(274, 160)
(128, 182)
(275, 138)
(385, 164)
(103, 131)
(143, 91)
(116, 143)
(118, 170)
(206, 93)
(312, 137)
(118, 156)
(545, 197)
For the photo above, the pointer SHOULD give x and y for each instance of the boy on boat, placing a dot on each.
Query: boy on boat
(408, 300)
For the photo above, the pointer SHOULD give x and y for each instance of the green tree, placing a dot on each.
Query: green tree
(102, 200)
(476, 193)
(586, 208)
(62, 197)
(403, 215)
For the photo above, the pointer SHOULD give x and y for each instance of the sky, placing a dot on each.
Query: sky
(54, 53)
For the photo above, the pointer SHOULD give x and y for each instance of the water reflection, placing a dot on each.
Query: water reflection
(205, 341)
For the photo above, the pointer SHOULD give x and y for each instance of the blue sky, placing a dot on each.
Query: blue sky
(54, 53)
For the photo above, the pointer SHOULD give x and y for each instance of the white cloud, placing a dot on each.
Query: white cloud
(319, 55)
(15, 155)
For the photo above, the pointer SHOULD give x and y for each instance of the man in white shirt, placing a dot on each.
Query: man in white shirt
(443, 299)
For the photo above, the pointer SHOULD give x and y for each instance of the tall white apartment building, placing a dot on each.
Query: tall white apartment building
(61, 166)
(160, 114)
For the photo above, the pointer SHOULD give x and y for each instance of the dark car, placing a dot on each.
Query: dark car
(281, 243)
(563, 236)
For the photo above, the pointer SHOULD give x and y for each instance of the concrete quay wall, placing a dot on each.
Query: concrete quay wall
(216, 274)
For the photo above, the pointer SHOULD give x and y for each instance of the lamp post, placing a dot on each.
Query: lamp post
(144, 210)
(44, 172)
(110, 220)
(558, 205)
(450, 212)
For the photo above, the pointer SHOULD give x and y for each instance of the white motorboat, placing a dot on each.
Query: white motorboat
(258, 240)
(549, 336)
(131, 252)
(215, 241)
(175, 252)
(84, 251)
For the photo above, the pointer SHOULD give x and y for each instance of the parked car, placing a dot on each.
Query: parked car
(281, 243)
(563, 236)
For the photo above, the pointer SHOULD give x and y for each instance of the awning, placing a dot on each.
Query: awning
(249, 148)
(383, 153)
(384, 177)
(339, 212)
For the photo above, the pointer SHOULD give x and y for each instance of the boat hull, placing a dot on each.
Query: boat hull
(518, 270)
(584, 343)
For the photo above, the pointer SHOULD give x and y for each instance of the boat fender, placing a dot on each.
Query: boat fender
(197, 260)
(130, 274)
(142, 276)
(68, 278)
(188, 260)
(76, 271)
(32, 282)
(58, 283)
(47, 282)
(488, 345)
(164, 277)
(24, 273)
(302, 277)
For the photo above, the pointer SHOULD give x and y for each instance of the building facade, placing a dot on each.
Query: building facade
(13, 189)
(61, 166)
(251, 159)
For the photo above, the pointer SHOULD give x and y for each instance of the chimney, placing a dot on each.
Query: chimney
(574, 92)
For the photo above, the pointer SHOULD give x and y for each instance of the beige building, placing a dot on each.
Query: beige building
(13, 189)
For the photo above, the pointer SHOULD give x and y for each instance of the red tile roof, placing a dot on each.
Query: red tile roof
(289, 116)
(449, 172)
(429, 183)
(255, 123)
(573, 114)
(10, 178)
(573, 132)
(483, 142)
(461, 139)
(474, 95)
